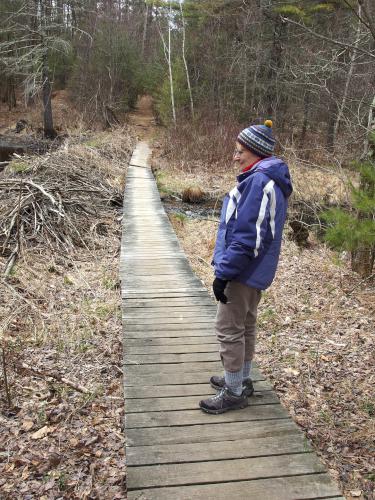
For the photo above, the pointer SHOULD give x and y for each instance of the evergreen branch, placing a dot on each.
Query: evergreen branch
(330, 40)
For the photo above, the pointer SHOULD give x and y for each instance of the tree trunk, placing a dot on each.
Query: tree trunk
(185, 62)
(370, 128)
(362, 261)
(170, 65)
(49, 131)
(348, 78)
(306, 112)
(10, 93)
(144, 30)
(275, 62)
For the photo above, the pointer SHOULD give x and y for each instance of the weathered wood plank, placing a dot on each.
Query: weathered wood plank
(165, 378)
(195, 417)
(130, 359)
(171, 341)
(167, 332)
(293, 442)
(163, 391)
(171, 349)
(305, 487)
(180, 368)
(169, 324)
(206, 433)
(177, 301)
(186, 327)
(169, 311)
(228, 470)
(188, 403)
(165, 294)
(172, 320)
(197, 371)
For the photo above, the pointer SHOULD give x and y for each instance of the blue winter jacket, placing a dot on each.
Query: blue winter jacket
(251, 224)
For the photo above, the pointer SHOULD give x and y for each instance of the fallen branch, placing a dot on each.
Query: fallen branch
(55, 376)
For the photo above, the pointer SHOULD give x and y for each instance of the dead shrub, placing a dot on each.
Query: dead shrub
(193, 194)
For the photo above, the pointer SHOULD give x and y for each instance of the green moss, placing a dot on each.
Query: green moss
(19, 166)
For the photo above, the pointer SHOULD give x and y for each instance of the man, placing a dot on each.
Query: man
(245, 259)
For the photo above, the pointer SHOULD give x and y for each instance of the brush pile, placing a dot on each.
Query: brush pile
(60, 199)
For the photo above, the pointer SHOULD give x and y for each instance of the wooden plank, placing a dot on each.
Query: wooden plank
(186, 327)
(206, 433)
(293, 442)
(180, 368)
(198, 371)
(164, 391)
(171, 341)
(130, 359)
(188, 403)
(195, 417)
(229, 470)
(163, 294)
(173, 320)
(167, 332)
(171, 349)
(170, 312)
(166, 284)
(304, 487)
(166, 378)
(154, 302)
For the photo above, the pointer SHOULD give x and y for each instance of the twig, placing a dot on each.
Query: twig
(7, 392)
(203, 261)
(28, 302)
(55, 376)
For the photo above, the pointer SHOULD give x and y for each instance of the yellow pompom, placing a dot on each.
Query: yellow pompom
(268, 123)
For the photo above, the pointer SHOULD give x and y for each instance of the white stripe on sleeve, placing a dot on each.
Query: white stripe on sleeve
(234, 199)
(268, 189)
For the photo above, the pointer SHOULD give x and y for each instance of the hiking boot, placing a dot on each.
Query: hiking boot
(218, 383)
(224, 400)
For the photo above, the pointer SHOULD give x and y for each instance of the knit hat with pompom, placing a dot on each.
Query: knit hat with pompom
(258, 139)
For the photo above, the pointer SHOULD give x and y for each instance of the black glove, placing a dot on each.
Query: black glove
(218, 286)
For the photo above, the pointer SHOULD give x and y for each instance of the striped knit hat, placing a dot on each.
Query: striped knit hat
(258, 139)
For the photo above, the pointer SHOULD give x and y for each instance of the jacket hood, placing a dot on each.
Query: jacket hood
(276, 170)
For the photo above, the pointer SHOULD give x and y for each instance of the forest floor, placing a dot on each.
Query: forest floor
(316, 322)
(61, 418)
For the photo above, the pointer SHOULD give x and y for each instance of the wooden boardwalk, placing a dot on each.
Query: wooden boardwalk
(174, 450)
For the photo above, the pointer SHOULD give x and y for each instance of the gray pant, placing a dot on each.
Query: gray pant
(236, 325)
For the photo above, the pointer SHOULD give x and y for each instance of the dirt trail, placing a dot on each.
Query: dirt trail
(143, 118)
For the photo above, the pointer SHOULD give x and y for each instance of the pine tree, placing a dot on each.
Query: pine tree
(354, 229)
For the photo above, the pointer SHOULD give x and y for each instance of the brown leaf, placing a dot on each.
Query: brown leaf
(27, 425)
(42, 432)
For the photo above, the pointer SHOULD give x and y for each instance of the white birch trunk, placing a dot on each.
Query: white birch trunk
(145, 30)
(170, 64)
(185, 62)
(348, 78)
(370, 128)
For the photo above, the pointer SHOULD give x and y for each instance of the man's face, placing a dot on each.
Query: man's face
(242, 156)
